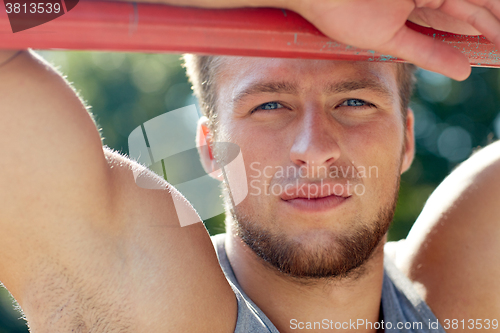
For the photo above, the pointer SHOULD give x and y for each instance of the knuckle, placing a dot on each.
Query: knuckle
(472, 19)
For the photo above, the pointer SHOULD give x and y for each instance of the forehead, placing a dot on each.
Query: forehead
(237, 73)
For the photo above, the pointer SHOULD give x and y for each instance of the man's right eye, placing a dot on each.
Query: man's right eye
(268, 106)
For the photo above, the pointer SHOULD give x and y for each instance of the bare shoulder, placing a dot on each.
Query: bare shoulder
(453, 251)
(139, 272)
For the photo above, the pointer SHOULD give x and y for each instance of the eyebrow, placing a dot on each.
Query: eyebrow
(348, 86)
(284, 87)
(279, 87)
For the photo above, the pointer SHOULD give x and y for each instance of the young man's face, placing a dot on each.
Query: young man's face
(324, 146)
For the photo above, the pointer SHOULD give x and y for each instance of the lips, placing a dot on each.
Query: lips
(313, 191)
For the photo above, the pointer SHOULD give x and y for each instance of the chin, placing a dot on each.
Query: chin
(311, 246)
(314, 253)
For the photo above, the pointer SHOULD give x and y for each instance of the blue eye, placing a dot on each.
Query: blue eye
(269, 106)
(355, 102)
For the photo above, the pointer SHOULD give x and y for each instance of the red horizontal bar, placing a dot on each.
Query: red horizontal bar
(124, 26)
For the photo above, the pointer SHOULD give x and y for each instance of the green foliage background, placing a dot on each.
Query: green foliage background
(125, 90)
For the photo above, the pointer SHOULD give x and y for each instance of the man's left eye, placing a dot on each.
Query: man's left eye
(355, 102)
(268, 106)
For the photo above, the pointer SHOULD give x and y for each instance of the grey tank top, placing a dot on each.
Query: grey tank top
(403, 309)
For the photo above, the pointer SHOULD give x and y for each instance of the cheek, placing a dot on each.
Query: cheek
(379, 141)
(261, 155)
(259, 145)
(377, 148)
(260, 169)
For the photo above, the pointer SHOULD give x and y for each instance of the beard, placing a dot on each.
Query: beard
(340, 256)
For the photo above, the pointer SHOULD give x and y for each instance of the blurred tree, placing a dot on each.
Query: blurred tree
(126, 90)
(10, 317)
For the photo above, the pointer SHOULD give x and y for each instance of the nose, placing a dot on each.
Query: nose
(316, 141)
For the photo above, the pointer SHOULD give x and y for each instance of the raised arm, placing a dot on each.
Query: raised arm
(82, 247)
(453, 250)
(52, 160)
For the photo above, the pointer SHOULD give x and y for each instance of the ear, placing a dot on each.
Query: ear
(409, 148)
(204, 145)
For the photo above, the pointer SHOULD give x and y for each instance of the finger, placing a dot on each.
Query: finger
(479, 17)
(492, 5)
(428, 53)
(441, 21)
(428, 3)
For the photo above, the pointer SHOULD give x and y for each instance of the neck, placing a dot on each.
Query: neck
(292, 304)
